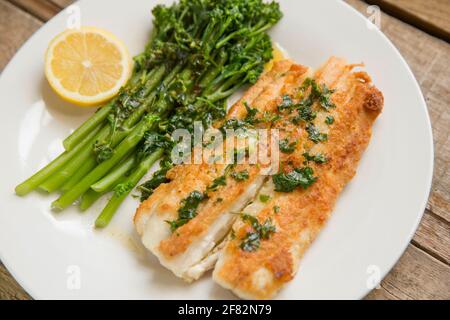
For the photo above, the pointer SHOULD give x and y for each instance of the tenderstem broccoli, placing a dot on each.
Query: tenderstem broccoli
(199, 53)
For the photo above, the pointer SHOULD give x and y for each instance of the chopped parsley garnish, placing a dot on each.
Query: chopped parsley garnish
(315, 93)
(264, 198)
(329, 120)
(187, 210)
(151, 142)
(325, 98)
(314, 135)
(158, 178)
(240, 176)
(299, 177)
(251, 114)
(220, 181)
(305, 113)
(286, 103)
(318, 158)
(319, 94)
(103, 151)
(234, 124)
(306, 84)
(286, 146)
(276, 209)
(252, 240)
(267, 116)
(250, 120)
(270, 117)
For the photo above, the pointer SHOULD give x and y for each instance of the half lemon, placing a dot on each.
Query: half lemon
(87, 66)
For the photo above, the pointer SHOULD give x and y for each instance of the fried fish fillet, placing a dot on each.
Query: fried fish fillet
(299, 216)
(192, 248)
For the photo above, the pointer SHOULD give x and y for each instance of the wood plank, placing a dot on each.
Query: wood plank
(9, 288)
(16, 26)
(62, 3)
(417, 276)
(433, 237)
(432, 16)
(23, 26)
(42, 9)
(380, 294)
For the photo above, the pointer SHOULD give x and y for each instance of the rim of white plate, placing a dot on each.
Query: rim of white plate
(27, 287)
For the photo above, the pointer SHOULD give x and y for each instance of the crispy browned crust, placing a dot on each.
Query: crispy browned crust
(285, 77)
(264, 95)
(278, 71)
(182, 172)
(304, 212)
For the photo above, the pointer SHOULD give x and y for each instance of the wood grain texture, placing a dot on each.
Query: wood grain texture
(42, 9)
(16, 26)
(62, 3)
(433, 237)
(429, 59)
(432, 16)
(417, 276)
(9, 288)
(423, 271)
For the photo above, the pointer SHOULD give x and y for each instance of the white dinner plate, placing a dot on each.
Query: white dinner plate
(61, 255)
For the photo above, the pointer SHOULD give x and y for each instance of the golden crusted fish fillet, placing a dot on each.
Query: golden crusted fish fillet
(262, 255)
(186, 251)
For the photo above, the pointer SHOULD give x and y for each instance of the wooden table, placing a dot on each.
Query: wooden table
(420, 30)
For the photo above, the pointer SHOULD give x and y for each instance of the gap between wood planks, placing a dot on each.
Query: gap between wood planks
(415, 276)
(435, 21)
(433, 237)
(46, 9)
(43, 10)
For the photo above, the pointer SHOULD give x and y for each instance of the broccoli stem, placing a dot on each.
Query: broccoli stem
(108, 212)
(95, 120)
(85, 159)
(106, 182)
(122, 150)
(71, 141)
(199, 53)
(34, 181)
(85, 168)
(136, 115)
(60, 177)
(72, 173)
(214, 71)
(89, 198)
